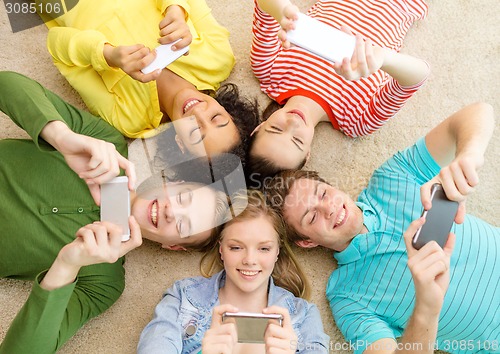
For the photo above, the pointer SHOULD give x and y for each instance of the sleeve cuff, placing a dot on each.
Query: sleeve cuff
(59, 294)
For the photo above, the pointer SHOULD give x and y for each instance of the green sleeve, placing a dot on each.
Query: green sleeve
(31, 107)
(49, 318)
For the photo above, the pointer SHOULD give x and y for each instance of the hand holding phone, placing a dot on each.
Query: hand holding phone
(438, 219)
(321, 39)
(115, 204)
(251, 327)
(164, 56)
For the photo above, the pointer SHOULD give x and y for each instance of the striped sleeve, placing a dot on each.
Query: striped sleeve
(381, 106)
(265, 44)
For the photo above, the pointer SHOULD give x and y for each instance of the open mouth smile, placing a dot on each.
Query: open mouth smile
(249, 273)
(153, 213)
(189, 104)
(341, 217)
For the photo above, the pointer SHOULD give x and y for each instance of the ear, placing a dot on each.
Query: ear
(220, 252)
(257, 128)
(306, 244)
(180, 144)
(174, 247)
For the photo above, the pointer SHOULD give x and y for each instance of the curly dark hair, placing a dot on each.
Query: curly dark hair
(245, 114)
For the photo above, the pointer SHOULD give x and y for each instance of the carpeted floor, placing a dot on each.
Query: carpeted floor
(460, 40)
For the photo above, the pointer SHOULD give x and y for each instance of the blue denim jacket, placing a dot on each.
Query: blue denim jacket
(184, 315)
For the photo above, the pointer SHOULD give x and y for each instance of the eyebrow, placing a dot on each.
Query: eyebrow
(308, 209)
(293, 141)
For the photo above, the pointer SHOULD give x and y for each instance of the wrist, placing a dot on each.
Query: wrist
(59, 274)
(177, 9)
(427, 312)
(108, 54)
(53, 132)
(389, 60)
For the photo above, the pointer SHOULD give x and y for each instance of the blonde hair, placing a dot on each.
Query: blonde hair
(287, 271)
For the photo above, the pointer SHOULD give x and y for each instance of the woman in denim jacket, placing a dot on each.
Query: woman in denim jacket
(259, 274)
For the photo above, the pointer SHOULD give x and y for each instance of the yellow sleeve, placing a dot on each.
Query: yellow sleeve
(210, 58)
(73, 47)
(163, 4)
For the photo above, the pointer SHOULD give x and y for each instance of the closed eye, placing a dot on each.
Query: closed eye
(313, 218)
(195, 136)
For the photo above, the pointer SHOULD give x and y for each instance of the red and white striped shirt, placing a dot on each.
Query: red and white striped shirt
(355, 107)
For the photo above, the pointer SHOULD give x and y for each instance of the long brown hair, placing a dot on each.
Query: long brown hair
(287, 271)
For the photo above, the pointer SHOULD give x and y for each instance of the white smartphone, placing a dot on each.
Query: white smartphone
(323, 40)
(115, 204)
(438, 219)
(164, 56)
(252, 326)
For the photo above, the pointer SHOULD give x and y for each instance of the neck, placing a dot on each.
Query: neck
(168, 85)
(245, 302)
(314, 112)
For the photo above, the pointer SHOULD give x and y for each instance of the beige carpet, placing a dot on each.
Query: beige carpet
(460, 40)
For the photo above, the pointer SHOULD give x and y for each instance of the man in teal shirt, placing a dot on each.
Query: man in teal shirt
(372, 295)
(49, 188)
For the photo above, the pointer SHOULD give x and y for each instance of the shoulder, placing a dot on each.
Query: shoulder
(296, 306)
(201, 292)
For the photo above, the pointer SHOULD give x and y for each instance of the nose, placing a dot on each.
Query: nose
(249, 258)
(292, 121)
(201, 114)
(326, 208)
(168, 211)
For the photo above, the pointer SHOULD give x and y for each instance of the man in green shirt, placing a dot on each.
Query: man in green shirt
(49, 188)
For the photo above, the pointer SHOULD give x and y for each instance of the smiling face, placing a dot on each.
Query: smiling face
(284, 138)
(327, 216)
(178, 213)
(249, 250)
(202, 125)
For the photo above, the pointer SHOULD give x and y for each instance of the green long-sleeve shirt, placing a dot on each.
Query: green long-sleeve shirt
(43, 204)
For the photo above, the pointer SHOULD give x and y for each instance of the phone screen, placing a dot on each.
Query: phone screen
(252, 327)
(438, 220)
(115, 203)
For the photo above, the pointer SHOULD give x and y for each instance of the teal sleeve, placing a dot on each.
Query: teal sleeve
(49, 318)
(31, 107)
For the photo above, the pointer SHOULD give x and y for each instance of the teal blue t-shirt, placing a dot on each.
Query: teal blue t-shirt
(371, 293)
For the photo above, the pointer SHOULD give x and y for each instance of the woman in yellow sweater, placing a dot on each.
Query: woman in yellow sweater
(101, 45)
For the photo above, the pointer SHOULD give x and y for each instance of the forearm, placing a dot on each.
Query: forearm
(60, 274)
(72, 47)
(39, 324)
(274, 8)
(405, 69)
(53, 132)
(420, 333)
(473, 128)
(467, 131)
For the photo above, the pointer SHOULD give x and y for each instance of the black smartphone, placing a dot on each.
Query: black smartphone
(252, 326)
(438, 219)
(115, 204)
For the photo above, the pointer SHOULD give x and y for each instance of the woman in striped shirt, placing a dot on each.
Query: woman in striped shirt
(357, 95)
